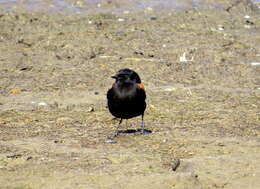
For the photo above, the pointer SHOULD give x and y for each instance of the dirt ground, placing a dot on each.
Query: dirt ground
(203, 106)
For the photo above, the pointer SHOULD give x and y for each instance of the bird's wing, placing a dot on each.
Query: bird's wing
(141, 85)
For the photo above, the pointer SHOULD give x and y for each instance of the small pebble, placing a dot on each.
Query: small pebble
(90, 109)
(221, 144)
(175, 164)
(152, 107)
(14, 156)
(110, 141)
(165, 140)
(15, 91)
(120, 19)
(170, 89)
(29, 158)
(255, 63)
(149, 9)
(220, 28)
(153, 18)
(184, 59)
(2, 122)
(42, 104)
(58, 141)
(79, 3)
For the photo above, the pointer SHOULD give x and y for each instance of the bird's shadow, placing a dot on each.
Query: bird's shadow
(111, 139)
(134, 131)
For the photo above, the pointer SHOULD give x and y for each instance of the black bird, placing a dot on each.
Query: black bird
(126, 98)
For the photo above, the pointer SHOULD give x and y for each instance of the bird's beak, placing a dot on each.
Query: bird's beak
(114, 76)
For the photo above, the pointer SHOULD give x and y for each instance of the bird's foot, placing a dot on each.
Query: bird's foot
(111, 139)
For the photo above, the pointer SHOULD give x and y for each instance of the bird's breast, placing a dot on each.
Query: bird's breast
(125, 93)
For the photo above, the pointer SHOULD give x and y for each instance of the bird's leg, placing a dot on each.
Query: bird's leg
(116, 132)
(121, 120)
(142, 130)
(142, 126)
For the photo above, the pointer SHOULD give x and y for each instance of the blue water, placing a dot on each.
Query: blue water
(90, 6)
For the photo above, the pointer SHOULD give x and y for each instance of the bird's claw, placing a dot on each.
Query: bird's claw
(110, 139)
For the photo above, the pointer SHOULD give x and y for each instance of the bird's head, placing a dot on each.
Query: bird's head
(126, 76)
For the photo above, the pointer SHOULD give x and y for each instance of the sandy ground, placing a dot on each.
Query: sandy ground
(204, 112)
